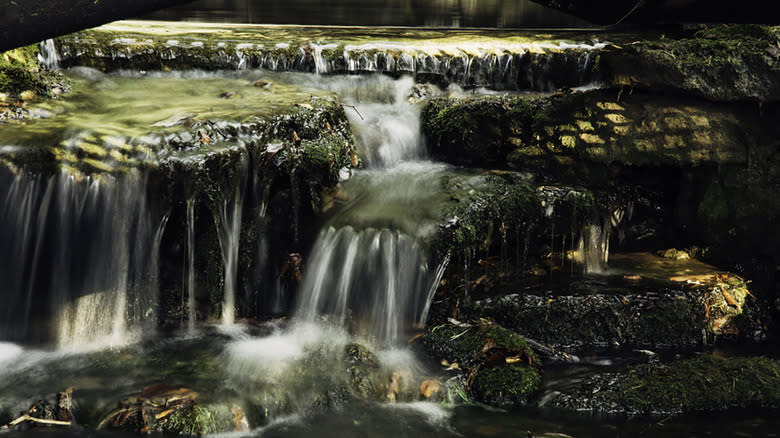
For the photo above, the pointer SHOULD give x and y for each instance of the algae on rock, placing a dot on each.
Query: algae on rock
(502, 370)
(701, 384)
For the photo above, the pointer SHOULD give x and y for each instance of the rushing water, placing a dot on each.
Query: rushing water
(81, 252)
(80, 267)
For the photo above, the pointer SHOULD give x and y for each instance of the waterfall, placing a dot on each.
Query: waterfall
(189, 280)
(386, 126)
(229, 234)
(79, 251)
(47, 55)
(373, 276)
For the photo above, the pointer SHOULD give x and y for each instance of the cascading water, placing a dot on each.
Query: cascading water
(376, 277)
(189, 270)
(81, 252)
(229, 233)
(48, 57)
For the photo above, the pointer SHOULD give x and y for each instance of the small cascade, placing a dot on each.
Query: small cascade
(189, 271)
(386, 126)
(498, 63)
(321, 64)
(47, 55)
(595, 248)
(229, 233)
(376, 278)
(81, 252)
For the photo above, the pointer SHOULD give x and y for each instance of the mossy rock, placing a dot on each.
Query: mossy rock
(197, 420)
(722, 63)
(701, 384)
(362, 370)
(681, 313)
(505, 385)
(586, 135)
(19, 72)
(502, 369)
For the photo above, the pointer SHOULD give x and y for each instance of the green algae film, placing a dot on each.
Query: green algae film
(121, 120)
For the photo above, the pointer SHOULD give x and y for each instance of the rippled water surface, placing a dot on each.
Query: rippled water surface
(440, 13)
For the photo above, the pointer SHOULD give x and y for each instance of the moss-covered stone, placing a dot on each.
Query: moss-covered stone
(585, 135)
(501, 369)
(701, 384)
(721, 63)
(19, 73)
(637, 310)
(197, 420)
(362, 367)
(471, 58)
(713, 166)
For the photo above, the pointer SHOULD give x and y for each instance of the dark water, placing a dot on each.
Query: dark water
(432, 13)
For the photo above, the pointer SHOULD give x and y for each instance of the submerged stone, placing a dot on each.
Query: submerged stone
(703, 384)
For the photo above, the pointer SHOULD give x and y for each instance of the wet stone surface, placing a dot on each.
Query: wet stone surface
(629, 309)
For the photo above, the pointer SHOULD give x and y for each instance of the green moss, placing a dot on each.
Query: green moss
(701, 384)
(675, 321)
(475, 349)
(501, 203)
(505, 384)
(19, 72)
(196, 420)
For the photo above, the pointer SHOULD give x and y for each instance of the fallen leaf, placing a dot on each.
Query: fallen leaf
(429, 387)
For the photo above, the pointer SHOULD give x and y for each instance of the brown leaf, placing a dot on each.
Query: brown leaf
(240, 422)
(353, 157)
(513, 359)
(165, 413)
(729, 299)
(489, 343)
(204, 138)
(429, 387)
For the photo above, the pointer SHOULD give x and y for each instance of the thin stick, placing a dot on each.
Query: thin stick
(636, 6)
(26, 417)
(356, 110)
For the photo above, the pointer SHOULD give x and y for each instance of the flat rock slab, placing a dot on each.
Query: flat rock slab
(492, 58)
(630, 308)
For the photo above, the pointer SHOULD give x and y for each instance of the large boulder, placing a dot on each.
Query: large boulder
(721, 63)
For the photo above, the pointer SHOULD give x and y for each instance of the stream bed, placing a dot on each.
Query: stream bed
(271, 235)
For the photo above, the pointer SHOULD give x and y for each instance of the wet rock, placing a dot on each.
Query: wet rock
(500, 368)
(712, 165)
(701, 384)
(503, 62)
(362, 371)
(20, 74)
(721, 63)
(678, 312)
(583, 134)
